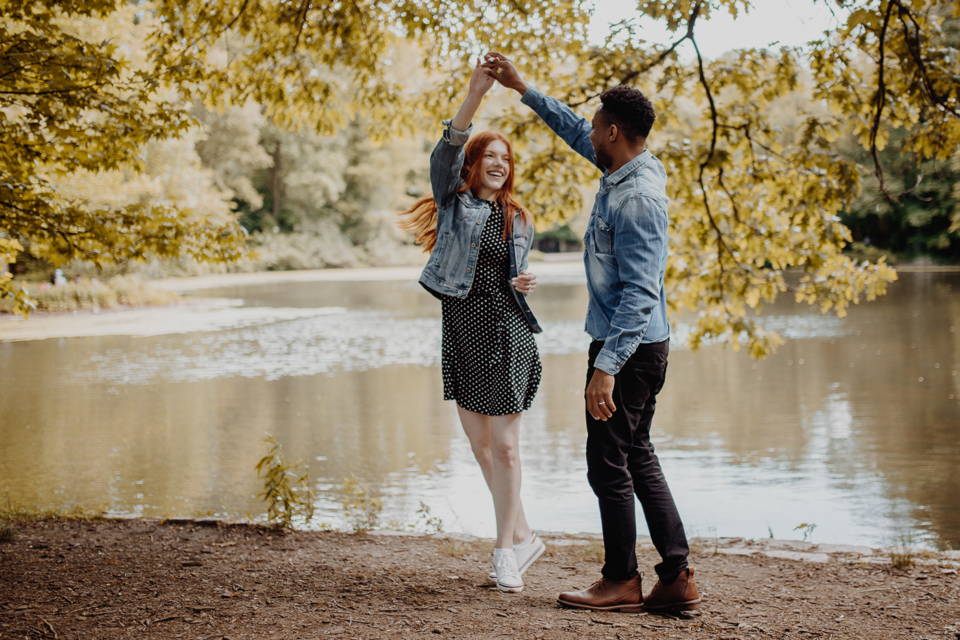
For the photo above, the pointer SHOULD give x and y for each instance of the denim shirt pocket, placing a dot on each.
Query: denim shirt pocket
(602, 236)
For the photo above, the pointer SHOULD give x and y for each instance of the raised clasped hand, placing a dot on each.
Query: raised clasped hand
(525, 283)
(503, 70)
(480, 80)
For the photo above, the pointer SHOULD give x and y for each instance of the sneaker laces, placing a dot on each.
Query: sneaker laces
(506, 563)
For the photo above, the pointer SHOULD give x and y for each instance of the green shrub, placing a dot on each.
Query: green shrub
(279, 477)
(362, 509)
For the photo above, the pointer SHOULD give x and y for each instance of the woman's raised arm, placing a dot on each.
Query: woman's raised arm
(480, 82)
(447, 158)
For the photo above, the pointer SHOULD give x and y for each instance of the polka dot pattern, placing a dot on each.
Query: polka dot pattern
(490, 359)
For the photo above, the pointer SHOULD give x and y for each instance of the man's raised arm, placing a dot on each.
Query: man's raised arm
(573, 129)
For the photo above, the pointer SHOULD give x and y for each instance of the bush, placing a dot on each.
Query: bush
(281, 482)
(361, 508)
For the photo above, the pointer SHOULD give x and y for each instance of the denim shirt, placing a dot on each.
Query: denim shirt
(460, 220)
(625, 244)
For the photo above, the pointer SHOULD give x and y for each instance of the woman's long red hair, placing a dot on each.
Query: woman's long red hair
(421, 218)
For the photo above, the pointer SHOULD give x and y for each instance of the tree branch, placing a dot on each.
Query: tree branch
(663, 56)
(302, 19)
(243, 8)
(913, 46)
(881, 99)
(721, 242)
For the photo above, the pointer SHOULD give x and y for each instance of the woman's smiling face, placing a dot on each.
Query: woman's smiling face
(494, 167)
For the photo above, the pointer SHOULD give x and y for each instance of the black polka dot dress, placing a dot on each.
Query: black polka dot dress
(490, 359)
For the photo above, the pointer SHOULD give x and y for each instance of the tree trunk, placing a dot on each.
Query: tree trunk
(276, 181)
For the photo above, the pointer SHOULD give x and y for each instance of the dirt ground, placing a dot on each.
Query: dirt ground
(177, 579)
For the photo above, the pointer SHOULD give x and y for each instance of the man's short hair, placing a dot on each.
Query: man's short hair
(629, 109)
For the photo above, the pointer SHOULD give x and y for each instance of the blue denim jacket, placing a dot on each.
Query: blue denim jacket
(625, 243)
(460, 219)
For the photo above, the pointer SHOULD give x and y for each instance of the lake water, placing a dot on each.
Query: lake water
(853, 425)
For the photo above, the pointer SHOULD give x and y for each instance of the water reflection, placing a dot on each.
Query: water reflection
(853, 425)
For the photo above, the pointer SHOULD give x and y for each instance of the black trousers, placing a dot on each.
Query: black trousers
(621, 463)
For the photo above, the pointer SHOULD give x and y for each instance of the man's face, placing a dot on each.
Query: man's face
(598, 138)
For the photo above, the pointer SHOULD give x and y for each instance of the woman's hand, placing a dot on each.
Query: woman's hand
(525, 283)
(480, 83)
(481, 80)
(501, 68)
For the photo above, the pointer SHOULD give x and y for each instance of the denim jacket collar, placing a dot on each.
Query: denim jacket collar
(610, 179)
(468, 198)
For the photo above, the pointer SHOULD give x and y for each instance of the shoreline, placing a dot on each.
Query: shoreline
(207, 579)
(798, 550)
(214, 314)
(217, 314)
(563, 267)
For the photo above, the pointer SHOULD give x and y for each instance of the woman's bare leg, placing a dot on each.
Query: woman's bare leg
(505, 479)
(479, 430)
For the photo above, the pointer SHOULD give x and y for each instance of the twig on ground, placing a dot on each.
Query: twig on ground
(52, 630)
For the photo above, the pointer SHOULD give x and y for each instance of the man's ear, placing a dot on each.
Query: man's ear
(613, 133)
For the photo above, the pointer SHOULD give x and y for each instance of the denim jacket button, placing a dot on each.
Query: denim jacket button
(478, 222)
(468, 269)
(473, 244)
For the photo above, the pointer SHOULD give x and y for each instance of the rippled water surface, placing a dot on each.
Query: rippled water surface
(854, 425)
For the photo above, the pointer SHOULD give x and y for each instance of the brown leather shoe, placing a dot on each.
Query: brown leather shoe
(625, 596)
(682, 595)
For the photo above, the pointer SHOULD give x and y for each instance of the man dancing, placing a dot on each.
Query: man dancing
(625, 258)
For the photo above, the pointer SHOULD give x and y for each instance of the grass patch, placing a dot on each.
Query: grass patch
(485, 547)
(361, 508)
(455, 548)
(901, 558)
(11, 513)
(94, 294)
(592, 552)
(901, 552)
(8, 532)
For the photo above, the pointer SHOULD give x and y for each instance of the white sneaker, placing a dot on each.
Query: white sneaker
(526, 553)
(508, 575)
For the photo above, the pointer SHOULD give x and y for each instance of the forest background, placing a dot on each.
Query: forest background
(268, 135)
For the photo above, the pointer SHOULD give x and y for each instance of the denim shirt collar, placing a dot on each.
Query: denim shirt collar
(610, 179)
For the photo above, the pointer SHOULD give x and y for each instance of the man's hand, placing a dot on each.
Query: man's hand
(525, 283)
(600, 395)
(502, 69)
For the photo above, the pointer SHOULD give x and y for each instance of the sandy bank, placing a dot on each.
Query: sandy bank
(178, 579)
(200, 314)
(564, 267)
(187, 317)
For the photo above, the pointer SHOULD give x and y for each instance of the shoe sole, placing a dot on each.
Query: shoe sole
(622, 608)
(492, 577)
(505, 589)
(680, 606)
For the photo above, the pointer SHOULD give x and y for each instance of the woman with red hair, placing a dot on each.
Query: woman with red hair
(479, 241)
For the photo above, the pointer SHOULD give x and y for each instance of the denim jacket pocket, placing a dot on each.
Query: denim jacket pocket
(602, 236)
(442, 239)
